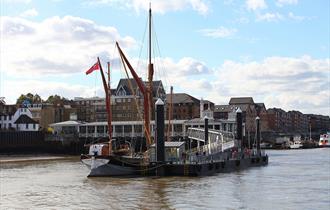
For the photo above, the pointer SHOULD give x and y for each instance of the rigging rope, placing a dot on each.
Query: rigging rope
(135, 99)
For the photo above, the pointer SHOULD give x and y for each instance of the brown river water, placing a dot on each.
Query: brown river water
(294, 179)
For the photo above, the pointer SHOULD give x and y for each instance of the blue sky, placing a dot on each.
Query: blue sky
(275, 51)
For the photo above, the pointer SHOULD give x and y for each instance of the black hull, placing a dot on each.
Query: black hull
(117, 168)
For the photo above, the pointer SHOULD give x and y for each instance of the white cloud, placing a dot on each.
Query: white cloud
(270, 17)
(281, 3)
(255, 4)
(221, 32)
(169, 68)
(296, 17)
(289, 83)
(30, 13)
(158, 6)
(185, 67)
(71, 44)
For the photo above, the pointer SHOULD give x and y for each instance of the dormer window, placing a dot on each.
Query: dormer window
(121, 91)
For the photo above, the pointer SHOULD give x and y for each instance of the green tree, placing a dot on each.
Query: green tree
(36, 99)
(33, 99)
(56, 99)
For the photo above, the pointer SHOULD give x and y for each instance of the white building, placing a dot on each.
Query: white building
(21, 120)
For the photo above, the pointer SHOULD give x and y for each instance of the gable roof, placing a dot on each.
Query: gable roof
(125, 84)
(181, 98)
(24, 119)
(259, 107)
(241, 100)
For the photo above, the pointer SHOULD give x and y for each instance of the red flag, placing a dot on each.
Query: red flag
(96, 66)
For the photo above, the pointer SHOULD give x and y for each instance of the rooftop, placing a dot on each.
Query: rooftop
(179, 98)
(24, 119)
(241, 100)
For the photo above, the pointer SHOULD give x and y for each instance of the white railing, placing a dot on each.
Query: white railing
(214, 135)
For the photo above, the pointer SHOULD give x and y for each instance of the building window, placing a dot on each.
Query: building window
(100, 129)
(82, 129)
(26, 126)
(90, 129)
(9, 117)
(34, 126)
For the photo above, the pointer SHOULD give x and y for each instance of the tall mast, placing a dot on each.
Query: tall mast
(150, 75)
(150, 33)
(170, 114)
(110, 113)
(107, 100)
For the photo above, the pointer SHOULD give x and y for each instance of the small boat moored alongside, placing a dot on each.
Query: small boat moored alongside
(324, 140)
(296, 145)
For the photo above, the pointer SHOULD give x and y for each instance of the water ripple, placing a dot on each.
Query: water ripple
(292, 180)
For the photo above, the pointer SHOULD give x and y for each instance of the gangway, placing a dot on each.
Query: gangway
(226, 140)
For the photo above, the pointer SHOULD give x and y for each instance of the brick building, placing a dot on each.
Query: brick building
(250, 110)
(126, 103)
(278, 120)
(299, 122)
(320, 124)
(295, 122)
(46, 113)
(185, 106)
(85, 108)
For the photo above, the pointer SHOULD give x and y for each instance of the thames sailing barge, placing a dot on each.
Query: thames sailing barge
(216, 151)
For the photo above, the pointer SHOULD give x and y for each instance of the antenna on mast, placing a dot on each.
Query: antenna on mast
(150, 75)
(150, 32)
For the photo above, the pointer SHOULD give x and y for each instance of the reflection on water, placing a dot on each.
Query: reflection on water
(297, 179)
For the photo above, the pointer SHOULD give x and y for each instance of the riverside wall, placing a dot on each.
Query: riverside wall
(24, 142)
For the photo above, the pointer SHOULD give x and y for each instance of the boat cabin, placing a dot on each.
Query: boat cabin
(173, 151)
(99, 149)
